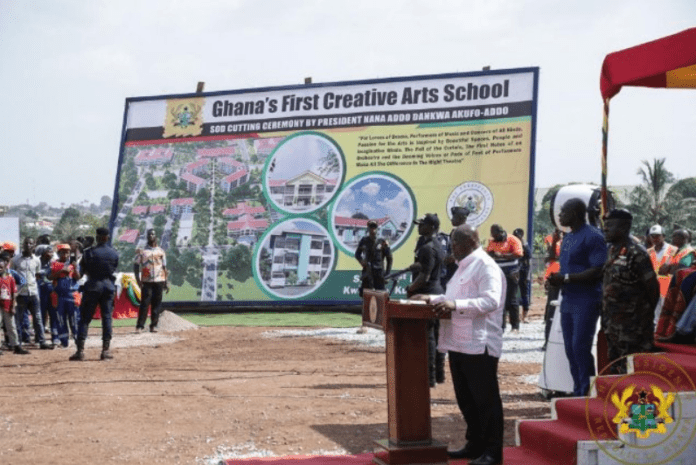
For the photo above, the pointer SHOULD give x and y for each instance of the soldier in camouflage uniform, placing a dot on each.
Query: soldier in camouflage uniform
(629, 294)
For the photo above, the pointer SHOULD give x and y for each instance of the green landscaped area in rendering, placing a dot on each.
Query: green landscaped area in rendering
(240, 291)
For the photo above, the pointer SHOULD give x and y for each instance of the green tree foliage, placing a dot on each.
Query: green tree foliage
(649, 201)
(236, 262)
(150, 182)
(126, 257)
(175, 267)
(660, 200)
(291, 278)
(542, 219)
(265, 264)
(68, 226)
(329, 163)
(105, 203)
(159, 221)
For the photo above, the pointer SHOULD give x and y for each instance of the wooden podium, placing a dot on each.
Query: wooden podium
(408, 387)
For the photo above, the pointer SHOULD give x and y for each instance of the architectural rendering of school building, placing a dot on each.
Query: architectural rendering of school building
(247, 221)
(302, 253)
(303, 190)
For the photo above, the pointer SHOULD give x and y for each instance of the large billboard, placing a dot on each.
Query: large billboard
(261, 195)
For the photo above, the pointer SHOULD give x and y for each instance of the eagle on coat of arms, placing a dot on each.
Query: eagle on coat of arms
(642, 417)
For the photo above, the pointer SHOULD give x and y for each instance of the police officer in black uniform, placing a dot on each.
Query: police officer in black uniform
(371, 253)
(426, 280)
(99, 264)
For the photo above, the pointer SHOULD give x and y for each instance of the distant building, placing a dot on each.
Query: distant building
(216, 152)
(158, 156)
(193, 182)
(303, 252)
(246, 226)
(351, 230)
(182, 205)
(156, 209)
(139, 210)
(265, 146)
(41, 225)
(229, 165)
(198, 168)
(235, 179)
(243, 208)
(129, 235)
(303, 190)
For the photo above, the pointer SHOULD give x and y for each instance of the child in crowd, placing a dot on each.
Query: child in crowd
(8, 296)
(65, 275)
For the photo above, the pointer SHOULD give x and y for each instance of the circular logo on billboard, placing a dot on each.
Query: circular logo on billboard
(474, 196)
(373, 309)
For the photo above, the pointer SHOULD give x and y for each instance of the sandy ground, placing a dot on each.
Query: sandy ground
(201, 395)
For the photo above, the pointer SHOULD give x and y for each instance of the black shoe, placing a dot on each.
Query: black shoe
(106, 355)
(486, 459)
(20, 351)
(46, 346)
(466, 452)
(78, 356)
(440, 378)
(153, 329)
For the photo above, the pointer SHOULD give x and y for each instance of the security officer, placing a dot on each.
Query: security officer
(99, 264)
(629, 294)
(426, 280)
(371, 254)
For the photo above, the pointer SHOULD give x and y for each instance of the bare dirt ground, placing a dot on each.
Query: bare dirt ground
(206, 394)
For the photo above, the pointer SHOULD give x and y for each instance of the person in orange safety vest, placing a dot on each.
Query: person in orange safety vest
(660, 253)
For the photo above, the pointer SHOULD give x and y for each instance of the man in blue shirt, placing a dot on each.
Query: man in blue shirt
(583, 253)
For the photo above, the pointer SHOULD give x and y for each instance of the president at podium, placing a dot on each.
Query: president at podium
(473, 337)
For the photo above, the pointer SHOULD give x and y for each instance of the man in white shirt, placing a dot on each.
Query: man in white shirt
(28, 296)
(475, 298)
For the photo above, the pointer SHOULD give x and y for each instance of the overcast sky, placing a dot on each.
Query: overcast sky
(66, 68)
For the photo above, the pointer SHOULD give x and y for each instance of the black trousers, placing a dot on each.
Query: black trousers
(475, 379)
(436, 360)
(524, 289)
(373, 278)
(151, 293)
(512, 306)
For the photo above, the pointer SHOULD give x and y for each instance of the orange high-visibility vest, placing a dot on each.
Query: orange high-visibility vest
(683, 252)
(666, 258)
(552, 266)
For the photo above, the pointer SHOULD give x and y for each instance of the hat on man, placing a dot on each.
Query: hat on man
(619, 214)
(60, 247)
(9, 245)
(656, 230)
(372, 224)
(460, 211)
(102, 232)
(429, 218)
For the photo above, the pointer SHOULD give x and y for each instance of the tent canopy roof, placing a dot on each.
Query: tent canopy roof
(666, 62)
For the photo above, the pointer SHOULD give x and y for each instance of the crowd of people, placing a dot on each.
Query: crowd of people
(627, 284)
(53, 290)
(641, 287)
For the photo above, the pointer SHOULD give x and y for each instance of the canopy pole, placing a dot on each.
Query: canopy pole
(605, 136)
